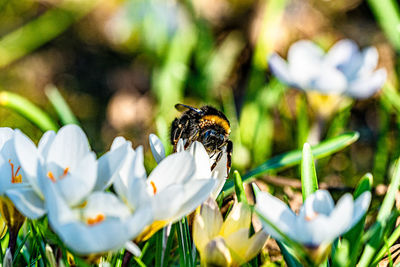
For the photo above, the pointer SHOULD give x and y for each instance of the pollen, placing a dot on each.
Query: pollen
(15, 177)
(154, 187)
(95, 220)
(51, 176)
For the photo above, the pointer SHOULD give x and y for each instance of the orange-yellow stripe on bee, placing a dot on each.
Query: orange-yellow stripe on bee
(219, 121)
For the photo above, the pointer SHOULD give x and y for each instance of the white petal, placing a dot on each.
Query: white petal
(195, 193)
(320, 202)
(180, 146)
(78, 183)
(280, 69)
(137, 194)
(27, 202)
(28, 157)
(168, 202)
(341, 52)
(105, 203)
(118, 141)
(157, 148)
(361, 205)
(136, 223)
(365, 87)
(202, 160)
(69, 146)
(305, 61)
(329, 80)
(5, 135)
(369, 61)
(109, 165)
(277, 213)
(176, 168)
(45, 143)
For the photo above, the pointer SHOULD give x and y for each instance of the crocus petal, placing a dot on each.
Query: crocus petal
(216, 253)
(341, 52)
(276, 213)
(157, 148)
(328, 81)
(195, 193)
(141, 218)
(167, 202)
(105, 203)
(178, 168)
(5, 135)
(207, 224)
(119, 141)
(239, 217)
(28, 157)
(27, 202)
(139, 195)
(320, 202)
(45, 143)
(69, 146)
(244, 248)
(305, 61)
(220, 173)
(369, 61)
(361, 205)
(75, 186)
(365, 87)
(108, 166)
(202, 160)
(280, 69)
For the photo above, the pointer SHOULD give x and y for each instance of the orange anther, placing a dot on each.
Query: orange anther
(311, 216)
(98, 219)
(51, 177)
(65, 172)
(154, 187)
(15, 178)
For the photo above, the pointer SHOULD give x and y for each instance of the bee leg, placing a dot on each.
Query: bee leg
(217, 160)
(192, 138)
(178, 133)
(229, 149)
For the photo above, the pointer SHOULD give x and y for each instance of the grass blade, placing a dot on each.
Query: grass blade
(28, 110)
(309, 182)
(60, 105)
(239, 188)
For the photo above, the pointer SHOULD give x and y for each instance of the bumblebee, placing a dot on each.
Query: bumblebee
(206, 125)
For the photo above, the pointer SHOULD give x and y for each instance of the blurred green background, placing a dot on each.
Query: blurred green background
(123, 65)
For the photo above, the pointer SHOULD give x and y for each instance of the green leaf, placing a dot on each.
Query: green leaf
(363, 185)
(28, 110)
(288, 255)
(309, 182)
(292, 158)
(60, 105)
(383, 215)
(239, 188)
(341, 256)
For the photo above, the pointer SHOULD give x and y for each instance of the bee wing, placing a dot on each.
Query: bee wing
(183, 107)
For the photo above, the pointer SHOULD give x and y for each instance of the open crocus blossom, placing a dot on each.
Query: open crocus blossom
(344, 69)
(318, 223)
(173, 188)
(225, 243)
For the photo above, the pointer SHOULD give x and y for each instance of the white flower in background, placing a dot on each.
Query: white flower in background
(66, 159)
(225, 243)
(173, 187)
(319, 221)
(344, 69)
(200, 155)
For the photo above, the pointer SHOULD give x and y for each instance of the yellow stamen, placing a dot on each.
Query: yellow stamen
(51, 177)
(154, 187)
(15, 178)
(98, 219)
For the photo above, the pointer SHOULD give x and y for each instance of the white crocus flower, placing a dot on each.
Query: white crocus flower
(101, 223)
(343, 70)
(172, 187)
(319, 222)
(200, 155)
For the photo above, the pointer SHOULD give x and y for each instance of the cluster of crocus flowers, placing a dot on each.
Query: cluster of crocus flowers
(318, 223)
(63, 179)
(225, 243)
